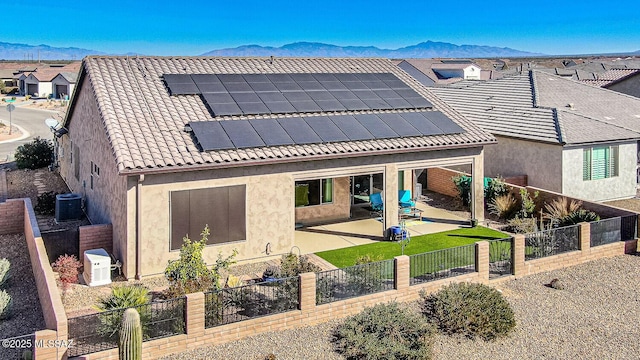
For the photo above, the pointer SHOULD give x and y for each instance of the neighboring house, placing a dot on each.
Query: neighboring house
(433, 72)
(161, 146)
(38, 83)
(566, 136)
(8, 77)
(63, 84)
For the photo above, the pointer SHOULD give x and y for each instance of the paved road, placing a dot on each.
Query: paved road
(31, 120)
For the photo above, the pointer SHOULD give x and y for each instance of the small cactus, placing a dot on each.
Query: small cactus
(4, 271)
(5, 304)
(130, 345)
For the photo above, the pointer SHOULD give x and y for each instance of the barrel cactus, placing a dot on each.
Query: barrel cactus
(130, 345)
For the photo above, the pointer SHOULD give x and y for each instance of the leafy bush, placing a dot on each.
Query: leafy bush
(46, 203)
(473, 310)
(123, 297)
(503, 206)
(384, 332)
(68, 266)
(463, 185)
(190, 273)
(528, 203)
(520, 225)
(5, 265)
(495, 188)
(492, 188)
(294, 265)
(577, 217)
(6, 304)
(34, 155)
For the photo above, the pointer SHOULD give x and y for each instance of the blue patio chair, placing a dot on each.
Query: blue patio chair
(404, 199)
(376, 202)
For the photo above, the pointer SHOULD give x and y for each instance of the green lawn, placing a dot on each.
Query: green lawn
(419, 244)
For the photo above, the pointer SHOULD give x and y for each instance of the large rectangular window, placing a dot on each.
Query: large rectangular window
(222, 208)
(600, 162)
(314, 192)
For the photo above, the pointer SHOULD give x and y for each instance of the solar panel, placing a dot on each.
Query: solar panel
(271, 132)
(386, 76)
(333, 85)
(416, 74)
(326, 129)
(211, 88)
(184, 89)
(355, 85)
(177, 78)
(279, 78)
(253, 108)
(280, 107)
(419, 102)
(306, 106)
(263, 87)
(310, 85)
(237, 86)
(398, 103)
(377, 104)
(271, 96)
(443, 122)
(396, 84)
(256, 78)
(344, 95)
(407, 93)
(354, 104)
(297, 96)
(321, 95)
(366, 76)
(223, 109)
(302, 77)
(242, 134)
(325, 77)
(366, 95)
(375, 126)
(351, 127)
(375, 85)
(218, 98)
(422, 124)
(205, 79)
(287, 86)
(229, 78)
(342, 77)
(331, 105)
(399, 124)
(387, 94)
(245, 97)
(299, 130)
(211, 135)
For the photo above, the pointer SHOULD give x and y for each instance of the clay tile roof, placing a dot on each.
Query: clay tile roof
(145, 124)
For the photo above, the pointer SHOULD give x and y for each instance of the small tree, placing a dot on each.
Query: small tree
(34, 155)
(190, 273)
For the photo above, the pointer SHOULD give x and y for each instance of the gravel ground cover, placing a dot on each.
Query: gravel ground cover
(594, 317)
(26, 316)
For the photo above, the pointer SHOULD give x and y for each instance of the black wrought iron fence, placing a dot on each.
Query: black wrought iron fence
(99, 331)
(246, 302)
(552, 242)
(18, 347)
(606, 231)
(500, 257)
(353, 281)
(629, 227)
(441, 264)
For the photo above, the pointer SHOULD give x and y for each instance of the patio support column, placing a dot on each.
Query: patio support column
(518, 253)
(390, 196)
(477, 188)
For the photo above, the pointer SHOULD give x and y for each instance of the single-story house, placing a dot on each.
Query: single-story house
(63, 84)
(38, 83)
(161, 146)
(434, 72)
(566, 136)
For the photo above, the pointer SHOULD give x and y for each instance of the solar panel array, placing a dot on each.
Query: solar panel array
(254, 94)
(239, 134)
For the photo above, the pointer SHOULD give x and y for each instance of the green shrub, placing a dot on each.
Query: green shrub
(294, 265)
(34, 155)
(473, 310)
(384, 332)
(5, 266)
(577, 217)
(190, 273)
(46, 203)
(6, 304)
(528, 203)
(492, 188)
(503, 206)
(123, 297)
(463, 185)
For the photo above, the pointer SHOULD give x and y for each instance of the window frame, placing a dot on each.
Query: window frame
(321, 195)
(607, 163)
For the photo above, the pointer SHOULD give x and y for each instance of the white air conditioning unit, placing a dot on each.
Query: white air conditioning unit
(97, 267)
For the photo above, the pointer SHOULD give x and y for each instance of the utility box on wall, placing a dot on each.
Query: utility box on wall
(97, 267)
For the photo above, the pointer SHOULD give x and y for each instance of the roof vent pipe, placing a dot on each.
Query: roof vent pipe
(570, 106)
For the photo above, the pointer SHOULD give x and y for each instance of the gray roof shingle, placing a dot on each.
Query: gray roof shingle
(535, 106)
(145, 124)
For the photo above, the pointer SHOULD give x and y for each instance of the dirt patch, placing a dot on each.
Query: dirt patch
(5, 134)
(59, 105)
(629, 204)
(21, 183)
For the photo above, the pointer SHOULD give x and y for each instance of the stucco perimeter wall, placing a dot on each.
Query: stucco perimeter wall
(270, 202)
(541, 162)
(106, 202)
(618, 187)
(339, 209)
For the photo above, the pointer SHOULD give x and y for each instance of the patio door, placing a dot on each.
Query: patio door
(364, 185)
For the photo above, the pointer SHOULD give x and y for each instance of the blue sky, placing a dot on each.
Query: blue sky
(193, 27)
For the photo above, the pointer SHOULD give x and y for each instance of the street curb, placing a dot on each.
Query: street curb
(25, 134)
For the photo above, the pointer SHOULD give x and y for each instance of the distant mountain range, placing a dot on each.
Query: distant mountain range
(428, 49)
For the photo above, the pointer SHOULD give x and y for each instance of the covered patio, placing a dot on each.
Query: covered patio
(342, 234)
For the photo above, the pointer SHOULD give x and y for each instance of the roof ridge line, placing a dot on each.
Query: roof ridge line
(559, 124)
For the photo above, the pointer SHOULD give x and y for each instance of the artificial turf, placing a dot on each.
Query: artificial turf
(384, 250)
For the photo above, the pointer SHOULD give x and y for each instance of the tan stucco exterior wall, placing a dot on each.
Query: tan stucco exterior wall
(270, 197)
(106, 202)
(541, 162)
(339, 209)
